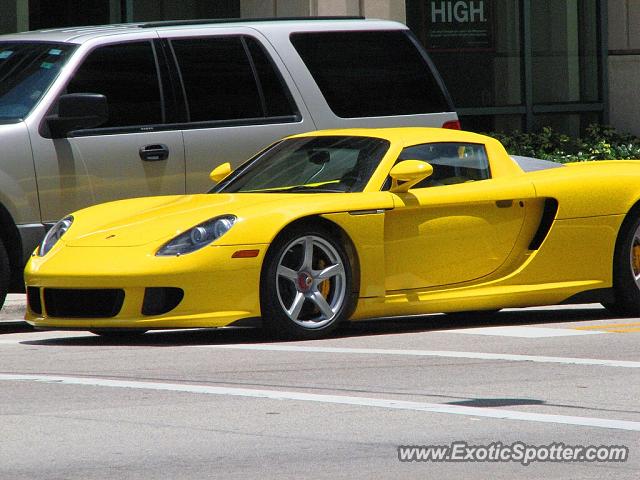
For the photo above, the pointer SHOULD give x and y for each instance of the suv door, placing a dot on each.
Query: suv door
(130, 155)
(239, 99)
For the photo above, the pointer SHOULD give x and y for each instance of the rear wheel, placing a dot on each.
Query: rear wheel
(305, 289)
(626, 271)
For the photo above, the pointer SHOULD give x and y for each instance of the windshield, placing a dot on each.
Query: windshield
(310, 164)
(26, 71)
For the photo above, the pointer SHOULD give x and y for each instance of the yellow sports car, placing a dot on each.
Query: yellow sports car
(348, 224)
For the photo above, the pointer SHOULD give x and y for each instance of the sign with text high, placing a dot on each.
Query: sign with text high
(459, 25)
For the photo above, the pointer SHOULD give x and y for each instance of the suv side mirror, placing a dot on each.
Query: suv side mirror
(407, 173)
(77, 111)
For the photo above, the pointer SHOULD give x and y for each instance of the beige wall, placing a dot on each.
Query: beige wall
(624, 65)
(385, 9)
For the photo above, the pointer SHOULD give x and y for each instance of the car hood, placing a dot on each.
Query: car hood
(140, 221)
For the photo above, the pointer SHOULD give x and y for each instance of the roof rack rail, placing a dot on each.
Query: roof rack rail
(178, 23)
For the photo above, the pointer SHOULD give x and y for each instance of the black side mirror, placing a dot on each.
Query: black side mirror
(77, 111)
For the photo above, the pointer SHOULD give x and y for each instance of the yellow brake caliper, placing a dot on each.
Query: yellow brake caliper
(636, 258)
(325, 286)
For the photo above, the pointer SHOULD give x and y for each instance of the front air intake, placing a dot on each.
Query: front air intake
(160, 300)
(33, 300)
(83, 303)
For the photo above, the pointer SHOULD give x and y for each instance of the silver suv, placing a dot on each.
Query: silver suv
(93, 114)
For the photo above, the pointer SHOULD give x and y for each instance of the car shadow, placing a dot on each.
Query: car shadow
(364, 328)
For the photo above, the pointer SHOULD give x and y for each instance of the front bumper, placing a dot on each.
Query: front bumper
(217, 289)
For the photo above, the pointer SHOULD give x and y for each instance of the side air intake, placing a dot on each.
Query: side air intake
(548, 216)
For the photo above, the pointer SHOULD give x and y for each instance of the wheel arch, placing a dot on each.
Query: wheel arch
(337, 232)
(629, 218)
(626, 298)
(13, 244)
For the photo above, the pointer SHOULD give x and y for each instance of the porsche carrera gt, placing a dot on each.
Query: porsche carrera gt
(340, 225)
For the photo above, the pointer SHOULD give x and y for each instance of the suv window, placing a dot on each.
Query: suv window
(229, 78)
(277, 99)
(369, 74)
(451, 162)
(128, 76)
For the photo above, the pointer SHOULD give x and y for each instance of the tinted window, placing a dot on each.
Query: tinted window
(277, 99)
(367, 74)
(451, 162)
(26, 71)
(218, 79)
(127, 75)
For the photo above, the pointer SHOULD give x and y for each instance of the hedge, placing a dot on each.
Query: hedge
(600, 142)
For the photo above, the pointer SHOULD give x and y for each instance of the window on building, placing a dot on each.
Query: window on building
(514, 64)
(476, 46)
(564, 51)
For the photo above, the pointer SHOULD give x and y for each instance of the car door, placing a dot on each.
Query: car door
(457, 226)
(238, 99)
(132, 155)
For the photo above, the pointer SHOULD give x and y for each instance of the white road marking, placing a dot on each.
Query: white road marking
(19, 339)
(524, 332)
(429, 353)
(334, 399)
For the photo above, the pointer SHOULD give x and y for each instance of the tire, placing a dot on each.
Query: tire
(5, 273)
(305, 286)
(626, 271)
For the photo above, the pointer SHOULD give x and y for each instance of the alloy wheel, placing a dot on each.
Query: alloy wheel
(311, 282)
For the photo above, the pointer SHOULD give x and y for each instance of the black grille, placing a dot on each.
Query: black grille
(159, 300)
(76, 303)
(33, 299)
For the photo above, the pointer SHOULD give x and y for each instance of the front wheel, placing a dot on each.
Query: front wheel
(305, 289)
(626, 272)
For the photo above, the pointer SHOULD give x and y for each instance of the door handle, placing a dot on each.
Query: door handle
(504, 203)
(153, 153)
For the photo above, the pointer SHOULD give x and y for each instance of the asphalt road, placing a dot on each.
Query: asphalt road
(226, 404)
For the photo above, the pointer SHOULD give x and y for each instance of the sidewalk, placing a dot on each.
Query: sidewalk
(13, 309)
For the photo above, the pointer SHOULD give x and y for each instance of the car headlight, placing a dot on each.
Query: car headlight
(53, 235)
(197, 237)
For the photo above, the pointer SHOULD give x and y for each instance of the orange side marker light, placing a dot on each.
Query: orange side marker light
(245, 254)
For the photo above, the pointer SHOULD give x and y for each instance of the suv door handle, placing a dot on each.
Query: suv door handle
(152, 153)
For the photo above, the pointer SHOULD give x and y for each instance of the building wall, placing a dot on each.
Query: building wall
(385, 9)
(624, 65)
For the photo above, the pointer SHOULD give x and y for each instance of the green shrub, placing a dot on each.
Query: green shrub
(600, 142)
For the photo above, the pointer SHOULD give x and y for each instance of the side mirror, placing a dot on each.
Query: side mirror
(78, 111)
(220, 172)
(407, 173)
